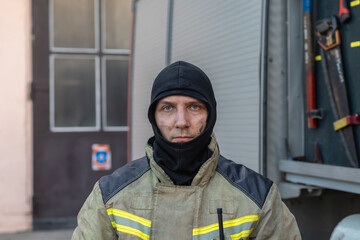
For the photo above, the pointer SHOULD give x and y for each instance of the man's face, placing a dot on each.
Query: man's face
(180, 118)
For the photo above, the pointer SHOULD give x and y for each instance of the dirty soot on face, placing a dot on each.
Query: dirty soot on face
(180, 118)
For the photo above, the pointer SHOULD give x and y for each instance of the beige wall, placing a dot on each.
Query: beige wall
(15, 116)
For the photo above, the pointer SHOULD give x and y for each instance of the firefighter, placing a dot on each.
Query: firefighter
(183, 188)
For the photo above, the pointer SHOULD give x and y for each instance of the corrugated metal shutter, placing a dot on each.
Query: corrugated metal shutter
(150, 33)
(224, 40)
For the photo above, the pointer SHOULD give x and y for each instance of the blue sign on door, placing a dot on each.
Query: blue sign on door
(101, 157)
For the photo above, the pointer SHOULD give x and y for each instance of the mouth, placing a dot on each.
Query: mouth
(182, 139)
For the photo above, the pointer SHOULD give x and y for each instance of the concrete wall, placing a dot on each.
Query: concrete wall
(15, 116)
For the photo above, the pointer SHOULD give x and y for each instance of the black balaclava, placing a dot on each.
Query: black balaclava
(181, 161)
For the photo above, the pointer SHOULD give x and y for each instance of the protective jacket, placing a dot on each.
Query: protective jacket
(139, 201)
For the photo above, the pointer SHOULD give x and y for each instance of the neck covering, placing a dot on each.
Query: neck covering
(181, 161)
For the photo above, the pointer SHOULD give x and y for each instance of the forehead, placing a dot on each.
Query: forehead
(179, 99)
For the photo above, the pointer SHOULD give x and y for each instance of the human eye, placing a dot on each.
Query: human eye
(167, 108)
(195, 107)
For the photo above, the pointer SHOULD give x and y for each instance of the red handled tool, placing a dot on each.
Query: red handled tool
(344, 11)
(309, 64)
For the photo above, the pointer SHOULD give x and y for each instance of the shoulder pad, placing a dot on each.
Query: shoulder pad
(122, 177)
(254, 185)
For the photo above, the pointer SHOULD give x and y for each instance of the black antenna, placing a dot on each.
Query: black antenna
(221, 227)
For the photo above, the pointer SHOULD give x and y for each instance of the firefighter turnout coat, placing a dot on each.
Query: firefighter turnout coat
(139, 201)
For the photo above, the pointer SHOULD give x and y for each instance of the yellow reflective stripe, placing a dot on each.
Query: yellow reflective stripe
(354, 3)
(226, 224)
(238, 221)
(113, 224)
(120, 213)
(242, 234)
(318, 58)
(203, 230)
(131, 231)
(355, 44)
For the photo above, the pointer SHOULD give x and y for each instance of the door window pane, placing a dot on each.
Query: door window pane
(77, 102)
(74, 92)
(73, 24)
(115, 92)
(116, 20)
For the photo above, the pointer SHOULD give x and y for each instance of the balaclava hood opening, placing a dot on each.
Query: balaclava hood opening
(181, 161)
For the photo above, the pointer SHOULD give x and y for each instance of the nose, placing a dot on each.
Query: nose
(182, 119)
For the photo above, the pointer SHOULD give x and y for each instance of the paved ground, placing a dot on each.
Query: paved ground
(39, 235)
